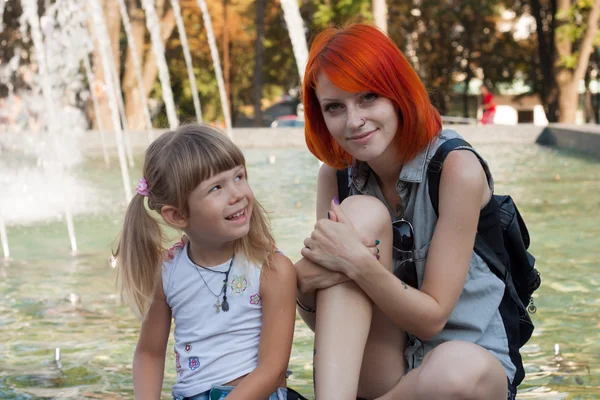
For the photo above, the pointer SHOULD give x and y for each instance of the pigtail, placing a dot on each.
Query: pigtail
(139, 257)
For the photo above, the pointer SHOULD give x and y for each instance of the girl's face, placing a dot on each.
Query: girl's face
(220, 208)
(363, 123)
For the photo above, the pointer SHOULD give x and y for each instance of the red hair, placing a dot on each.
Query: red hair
(362, 58)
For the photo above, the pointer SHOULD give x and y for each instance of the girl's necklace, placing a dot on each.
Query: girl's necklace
(218, 304)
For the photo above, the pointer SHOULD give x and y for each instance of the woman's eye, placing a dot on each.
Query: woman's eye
(332, 107)
(368, 97)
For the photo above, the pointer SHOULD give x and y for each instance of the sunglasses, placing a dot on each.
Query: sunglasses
(404, 243)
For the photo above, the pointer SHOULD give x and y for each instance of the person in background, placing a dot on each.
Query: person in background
(488, 106)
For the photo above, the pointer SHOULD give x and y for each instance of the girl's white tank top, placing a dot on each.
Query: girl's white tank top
(212, 346)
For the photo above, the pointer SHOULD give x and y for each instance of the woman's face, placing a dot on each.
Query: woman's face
(363, 123)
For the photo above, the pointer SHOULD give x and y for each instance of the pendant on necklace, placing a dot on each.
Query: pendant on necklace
(218, 306)
(225, 305)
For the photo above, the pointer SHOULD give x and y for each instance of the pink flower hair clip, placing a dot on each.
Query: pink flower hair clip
(142, 188)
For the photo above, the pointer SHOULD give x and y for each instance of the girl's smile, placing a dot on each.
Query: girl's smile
(239, 217)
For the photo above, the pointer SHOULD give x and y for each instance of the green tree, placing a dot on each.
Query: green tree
(455, 41)
(259, 61)
(129, 83)
(14, 44)
(576, 33)
(566, 34)
(337, 13)
(544, 77)
(280, 67)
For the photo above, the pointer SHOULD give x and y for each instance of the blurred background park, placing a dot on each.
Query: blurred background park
(86, 85)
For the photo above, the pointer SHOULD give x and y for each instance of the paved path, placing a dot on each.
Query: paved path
(580, 137)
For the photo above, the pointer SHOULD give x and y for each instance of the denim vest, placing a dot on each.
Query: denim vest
(475, 317)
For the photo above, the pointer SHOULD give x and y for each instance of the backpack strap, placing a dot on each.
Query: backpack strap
(342, 183)
(434, 174)
(488, 255)
(434, 169)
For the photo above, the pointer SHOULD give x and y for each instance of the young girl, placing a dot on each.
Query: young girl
(231, 295)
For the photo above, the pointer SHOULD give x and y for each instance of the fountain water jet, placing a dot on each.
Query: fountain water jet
(4, 239)
(30, 11)
(380, 14)
(91, 78)
(295, 26)
(137, 65)
(121, 104)
(188, 58)
(153, 24)
(214, 51)
(104, 47)
(2, 5)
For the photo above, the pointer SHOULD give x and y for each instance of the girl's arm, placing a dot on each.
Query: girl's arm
(278, 296)
(150, 352)
(424, 312)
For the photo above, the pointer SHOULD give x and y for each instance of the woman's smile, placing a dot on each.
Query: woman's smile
(362, 138)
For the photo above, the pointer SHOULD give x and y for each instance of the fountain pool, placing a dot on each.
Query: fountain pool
(50, 299)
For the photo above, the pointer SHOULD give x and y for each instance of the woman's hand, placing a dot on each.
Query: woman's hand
(313, 277)
(335, 245)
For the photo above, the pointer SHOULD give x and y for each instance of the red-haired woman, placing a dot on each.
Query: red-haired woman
(376, 336)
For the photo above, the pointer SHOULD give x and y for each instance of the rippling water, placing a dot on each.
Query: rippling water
(49, 299)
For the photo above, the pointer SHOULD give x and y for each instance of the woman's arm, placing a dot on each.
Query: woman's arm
(150, 352)
(277, 291)
(424, 312)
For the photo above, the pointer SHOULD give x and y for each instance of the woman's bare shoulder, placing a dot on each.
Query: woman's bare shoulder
(326, 173)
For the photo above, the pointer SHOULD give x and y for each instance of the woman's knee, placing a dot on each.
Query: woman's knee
(368, 214)
(461, 370)
(371, 219)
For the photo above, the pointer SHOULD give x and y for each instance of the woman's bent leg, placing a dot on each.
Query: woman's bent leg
(343, 321)
(345, 317)
(383, 361)
(454, 371)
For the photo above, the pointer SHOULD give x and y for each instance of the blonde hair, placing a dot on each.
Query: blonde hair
(176, 163)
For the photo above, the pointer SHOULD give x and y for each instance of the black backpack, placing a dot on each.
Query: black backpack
(502, 241)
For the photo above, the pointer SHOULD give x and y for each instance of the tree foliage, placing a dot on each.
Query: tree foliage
(449, 43)
(455, 41)
(566, 35)
(15, 46)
